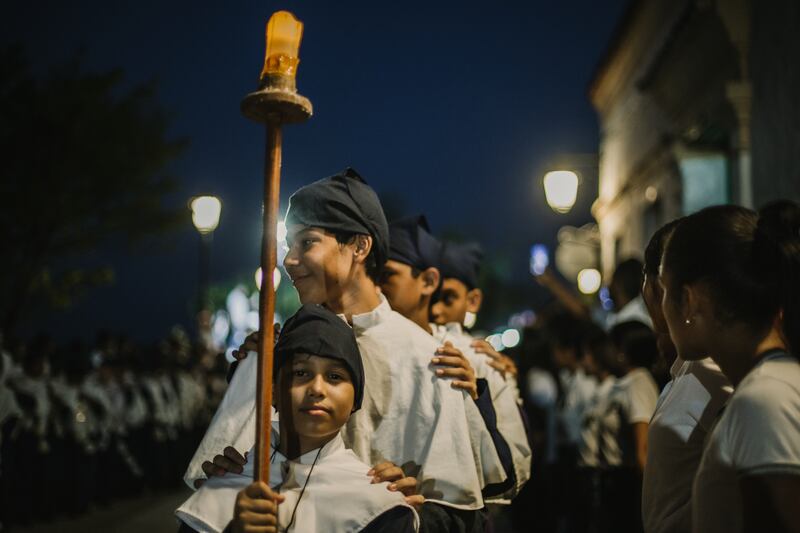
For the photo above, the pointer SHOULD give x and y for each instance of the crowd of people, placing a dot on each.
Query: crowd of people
(679, 410)
(94, 424)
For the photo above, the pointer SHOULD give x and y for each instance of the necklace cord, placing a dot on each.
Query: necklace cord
(303, 490)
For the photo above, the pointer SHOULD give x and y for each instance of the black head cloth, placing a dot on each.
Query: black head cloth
(411, 243)
(342, 203)
(314, 330)
(462, 262)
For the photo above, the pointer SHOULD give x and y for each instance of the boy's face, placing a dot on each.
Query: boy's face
(322, 397)
(401, 288)
(320, 267)
(455, 301)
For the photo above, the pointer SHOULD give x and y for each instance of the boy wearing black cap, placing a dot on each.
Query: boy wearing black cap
(460, 295)
(460, 264)
(410, 281)
(338, 243)
(316, 484)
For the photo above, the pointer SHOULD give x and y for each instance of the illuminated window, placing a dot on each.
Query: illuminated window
(705, 181)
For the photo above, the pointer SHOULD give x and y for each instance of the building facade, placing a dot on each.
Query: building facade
(698, 105)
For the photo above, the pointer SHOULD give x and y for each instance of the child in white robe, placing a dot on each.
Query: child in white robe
(324, 486)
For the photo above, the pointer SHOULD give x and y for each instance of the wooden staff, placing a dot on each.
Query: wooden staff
(275, 103)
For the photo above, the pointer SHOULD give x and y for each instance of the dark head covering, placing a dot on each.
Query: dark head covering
(342, 203)
(462, 262)
(314, 330)
(411, 243)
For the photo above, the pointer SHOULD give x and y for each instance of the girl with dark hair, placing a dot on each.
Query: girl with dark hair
(731, 281)
(684, 415)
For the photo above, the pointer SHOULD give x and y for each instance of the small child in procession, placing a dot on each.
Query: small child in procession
(316, 484)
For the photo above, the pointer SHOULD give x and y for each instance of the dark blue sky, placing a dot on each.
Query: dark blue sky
(451, 108)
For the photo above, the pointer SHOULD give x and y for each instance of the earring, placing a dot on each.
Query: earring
(688, 321)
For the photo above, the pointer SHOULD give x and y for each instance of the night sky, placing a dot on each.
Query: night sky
(453, 109)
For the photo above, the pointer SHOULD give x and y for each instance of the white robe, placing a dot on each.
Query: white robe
(234, 423)
(504, 399)
(409, 416)
(339, 496)
(9, 408)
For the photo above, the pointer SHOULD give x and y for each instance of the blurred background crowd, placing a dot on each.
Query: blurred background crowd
(93, 424)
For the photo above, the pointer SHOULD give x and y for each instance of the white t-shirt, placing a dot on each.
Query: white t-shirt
(684, 416)
(588, 453)
(757, 434)
(634, 311)
(578, 390)
(632, 399)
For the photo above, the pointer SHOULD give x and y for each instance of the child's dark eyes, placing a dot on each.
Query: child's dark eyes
(300, 373)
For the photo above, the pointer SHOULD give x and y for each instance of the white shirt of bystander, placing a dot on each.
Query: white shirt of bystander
(757, 434)
(578, 389)
(589, 451)
(684, 416)
(632, 399)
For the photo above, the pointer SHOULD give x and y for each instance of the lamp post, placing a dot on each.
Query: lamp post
(205, 217)
(561, 189)
(276, 102)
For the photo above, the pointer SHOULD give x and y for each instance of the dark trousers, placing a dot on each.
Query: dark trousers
(621, 501)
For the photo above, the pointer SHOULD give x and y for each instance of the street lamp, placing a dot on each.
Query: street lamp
(561, 189)
(205, 217)
(205, 213)
(589, 280)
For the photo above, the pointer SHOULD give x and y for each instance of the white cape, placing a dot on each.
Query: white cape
(408, 416)
(416, 419)
(234, 423)
(504, 398)
(339, 496)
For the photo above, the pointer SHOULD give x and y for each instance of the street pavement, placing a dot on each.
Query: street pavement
(151, 514)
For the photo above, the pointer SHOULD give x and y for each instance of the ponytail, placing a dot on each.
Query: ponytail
(776, 247)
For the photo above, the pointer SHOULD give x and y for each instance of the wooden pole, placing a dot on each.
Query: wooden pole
(266, 300)
(275, 103)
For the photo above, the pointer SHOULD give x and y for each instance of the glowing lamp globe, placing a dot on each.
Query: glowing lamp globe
(589, 280)
(561, 189)
(205, 213)
(510, 338)
(276, 278)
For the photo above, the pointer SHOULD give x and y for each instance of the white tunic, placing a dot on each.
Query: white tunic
(36, 388)
(234, 423)
(504, 399)
(338, 498)
(8, 402)
(408, 416)
(685, 414)
(416, 419)
(757, 434)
